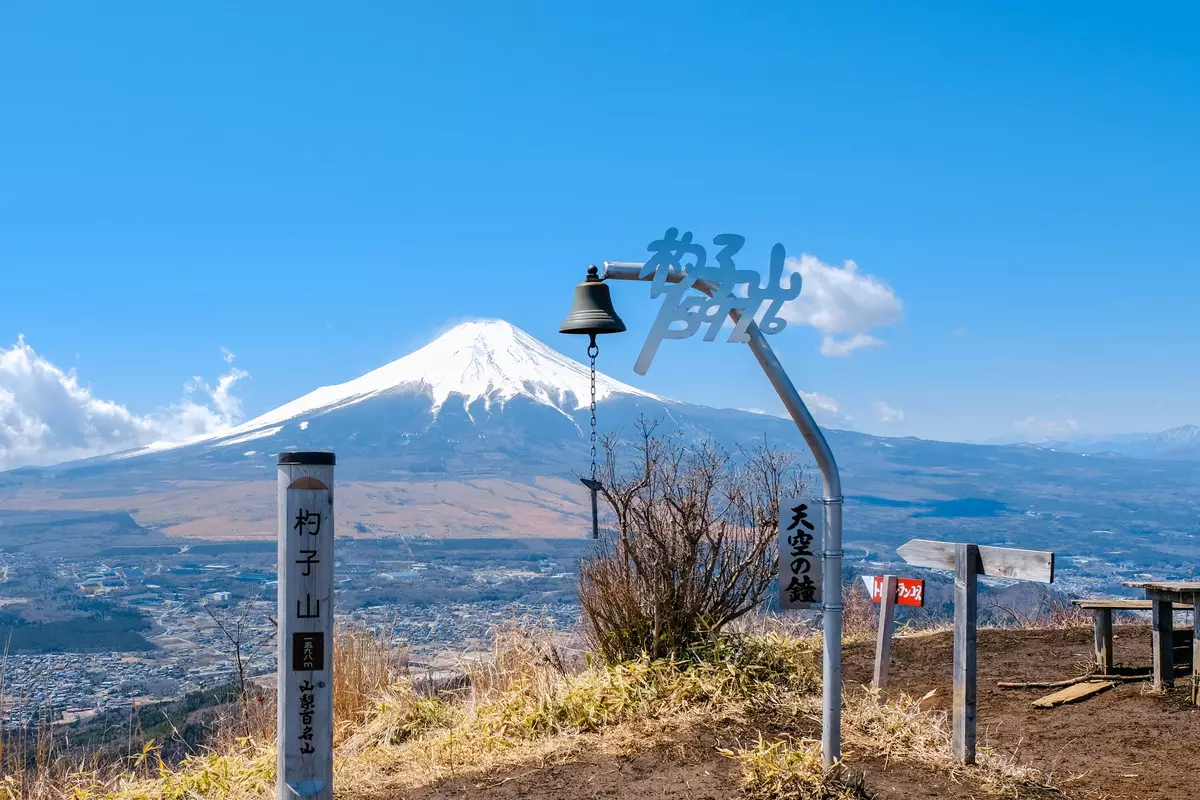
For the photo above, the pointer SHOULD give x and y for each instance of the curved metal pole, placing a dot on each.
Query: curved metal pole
(831, 558)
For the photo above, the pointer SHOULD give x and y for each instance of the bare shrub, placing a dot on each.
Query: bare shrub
(695, 546)
(860, 614)
(1051, 613)
(247, 638)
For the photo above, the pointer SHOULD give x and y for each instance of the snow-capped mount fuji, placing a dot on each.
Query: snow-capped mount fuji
(483, 397)
(491, 362)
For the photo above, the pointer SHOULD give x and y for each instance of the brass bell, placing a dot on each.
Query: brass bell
(592, 313)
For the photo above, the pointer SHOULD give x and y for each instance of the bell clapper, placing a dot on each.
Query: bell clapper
(592, 314)
(592, 484)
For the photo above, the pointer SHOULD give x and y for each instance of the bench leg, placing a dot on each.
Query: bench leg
(1196, 652)
(1102, 631)
(1163, 640)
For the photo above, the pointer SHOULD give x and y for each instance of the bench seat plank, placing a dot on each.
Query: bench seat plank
(1125, 605)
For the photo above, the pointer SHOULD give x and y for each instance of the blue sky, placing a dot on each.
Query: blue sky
(321, 189)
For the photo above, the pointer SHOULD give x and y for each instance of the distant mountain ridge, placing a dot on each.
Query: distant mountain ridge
(1180, 443)
(484, 432)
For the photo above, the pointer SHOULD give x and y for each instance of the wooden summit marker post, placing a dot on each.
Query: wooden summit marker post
(304, 664)
(968, 562)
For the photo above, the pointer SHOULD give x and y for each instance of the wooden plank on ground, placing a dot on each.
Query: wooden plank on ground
(992, 562)
(1073, 694)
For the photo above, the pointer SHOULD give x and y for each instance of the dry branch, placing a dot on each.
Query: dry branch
(695, 547)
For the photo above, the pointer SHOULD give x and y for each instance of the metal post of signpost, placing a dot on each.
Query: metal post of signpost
(831, 716)
(304, 663)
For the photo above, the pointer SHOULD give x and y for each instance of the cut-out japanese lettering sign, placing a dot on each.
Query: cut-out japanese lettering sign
(740, 291)
(909, 591)
(799, 554)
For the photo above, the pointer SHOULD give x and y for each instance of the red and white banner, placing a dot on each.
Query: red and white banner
(909, 591)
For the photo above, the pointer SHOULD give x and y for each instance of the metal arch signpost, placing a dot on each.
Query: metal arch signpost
(727, 291)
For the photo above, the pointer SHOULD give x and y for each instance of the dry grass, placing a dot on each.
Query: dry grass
(365, 667)
(903, 729)
(523, 701)
(787, 770)
(239, 760)
(535, 699)
(893, 729)
(523, 656)
(528, 704)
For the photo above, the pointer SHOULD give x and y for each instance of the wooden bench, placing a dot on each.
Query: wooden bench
(1102, 624)
(1166, 596)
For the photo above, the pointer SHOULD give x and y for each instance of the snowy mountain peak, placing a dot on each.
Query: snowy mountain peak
(493, 360)
(489, 360)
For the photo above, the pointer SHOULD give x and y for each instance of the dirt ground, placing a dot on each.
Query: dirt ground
(684, 766)
(1124, 744)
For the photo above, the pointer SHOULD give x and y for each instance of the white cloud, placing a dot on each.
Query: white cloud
(842, 303)
(47, 417)
(1046, 428)
(221, 397)
(888, 414)
(228, 355)
(840, 348)
(821, 403)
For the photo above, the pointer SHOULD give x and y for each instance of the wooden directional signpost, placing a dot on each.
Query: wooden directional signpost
(890, 591)
(907, 591)
(968, 562)
(305, 650)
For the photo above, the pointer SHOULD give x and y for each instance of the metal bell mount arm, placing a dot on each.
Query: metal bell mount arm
(831, 738)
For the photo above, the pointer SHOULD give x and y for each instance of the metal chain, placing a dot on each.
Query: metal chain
(593, 351)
